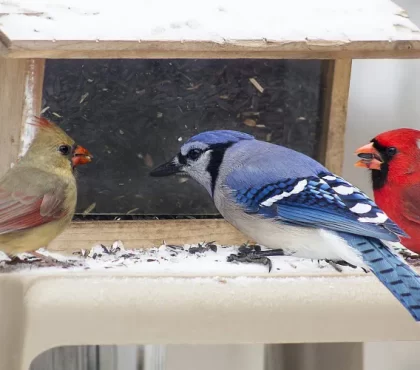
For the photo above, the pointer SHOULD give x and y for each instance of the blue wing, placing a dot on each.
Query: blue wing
(324, 201)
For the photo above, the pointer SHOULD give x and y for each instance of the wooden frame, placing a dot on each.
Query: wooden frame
(22, 53)
(28, 76)
(146, 234)
(336, 80)
(20, 98)
(210, 50)
(208, 30)
(46, 30)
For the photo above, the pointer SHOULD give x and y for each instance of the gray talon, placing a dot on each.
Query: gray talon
(250, 258)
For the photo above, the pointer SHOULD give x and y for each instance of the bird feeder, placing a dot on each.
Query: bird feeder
(131, 81)
(132, 92)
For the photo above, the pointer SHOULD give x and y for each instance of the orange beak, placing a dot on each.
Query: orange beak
(80, 156)
(369, 157)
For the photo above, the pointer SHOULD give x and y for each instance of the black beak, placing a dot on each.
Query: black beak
(167, 169)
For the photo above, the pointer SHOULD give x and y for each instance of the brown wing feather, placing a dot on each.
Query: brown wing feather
(26, 203)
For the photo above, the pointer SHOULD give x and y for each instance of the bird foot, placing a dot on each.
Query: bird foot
(252, 253)
(412, 259)
(250, 258)
(203, 247)
(255, 248)
(14, 260)
(337, 265)
(408, 256)
(47, 261)
(249, 248)
(38, 257)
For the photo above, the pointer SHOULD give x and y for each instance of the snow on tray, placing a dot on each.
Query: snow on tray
(166, 260)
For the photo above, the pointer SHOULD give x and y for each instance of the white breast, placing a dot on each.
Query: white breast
(298, 241)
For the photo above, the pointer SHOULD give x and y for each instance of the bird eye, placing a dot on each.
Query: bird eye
(64, 149)
(391, 151)
(193, 154)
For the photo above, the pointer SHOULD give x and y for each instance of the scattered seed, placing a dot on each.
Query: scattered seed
(148, 160)
(193, 87)
(89, 209)
(256, 84)
(84, 96)
(250, 122)
(131, 211)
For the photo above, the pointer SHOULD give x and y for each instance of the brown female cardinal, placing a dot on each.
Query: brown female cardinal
(38, 195)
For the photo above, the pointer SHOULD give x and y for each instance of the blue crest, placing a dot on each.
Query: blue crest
(220, 137)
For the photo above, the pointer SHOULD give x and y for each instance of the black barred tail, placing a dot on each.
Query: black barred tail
(391, 270)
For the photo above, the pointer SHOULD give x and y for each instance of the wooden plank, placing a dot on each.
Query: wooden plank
(146, 234)
(278, 28)
(211, 50)
(335, 97)
(327, 77)
(20, 98)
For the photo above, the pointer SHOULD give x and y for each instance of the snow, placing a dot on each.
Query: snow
(165, 260)
(29, 130)
(321, 22)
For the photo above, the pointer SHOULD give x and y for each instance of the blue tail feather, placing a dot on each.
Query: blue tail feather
(391, 270)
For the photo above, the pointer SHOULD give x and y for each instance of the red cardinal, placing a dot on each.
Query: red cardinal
(394, 160)
(38, 195)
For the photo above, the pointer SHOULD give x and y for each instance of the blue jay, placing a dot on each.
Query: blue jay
(285, 200)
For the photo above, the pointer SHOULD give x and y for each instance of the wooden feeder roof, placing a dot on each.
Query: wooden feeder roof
(213, 29)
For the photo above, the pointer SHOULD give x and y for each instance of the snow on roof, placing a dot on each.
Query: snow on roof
(52, 27)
